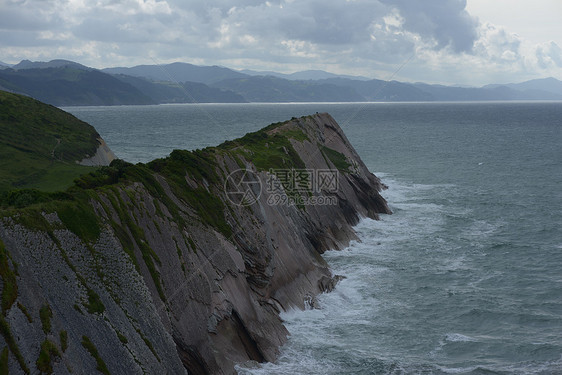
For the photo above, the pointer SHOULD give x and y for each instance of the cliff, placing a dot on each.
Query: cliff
(182, 264)
(103, 155)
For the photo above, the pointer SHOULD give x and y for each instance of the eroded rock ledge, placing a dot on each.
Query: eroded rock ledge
(158, 269)
(103, 155)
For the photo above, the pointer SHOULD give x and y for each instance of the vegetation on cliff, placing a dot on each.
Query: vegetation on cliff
(40, 145)
(269, 149)
(9, 295)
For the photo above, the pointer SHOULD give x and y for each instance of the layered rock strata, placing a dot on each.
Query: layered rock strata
(182, 265)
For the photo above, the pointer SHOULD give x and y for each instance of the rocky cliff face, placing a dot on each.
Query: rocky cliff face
(184, 264)
(103, 155)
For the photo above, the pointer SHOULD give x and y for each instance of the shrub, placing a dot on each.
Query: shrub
(46, 314)
(48, 352)
(91, 348)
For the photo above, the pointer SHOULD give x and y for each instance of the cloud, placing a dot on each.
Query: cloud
(17, 16)
(497, 44)
(352, 22)
(445, 21)
(367, 37)
(273, 24)
(549, 55)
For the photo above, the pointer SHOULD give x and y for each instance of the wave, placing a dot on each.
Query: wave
(428, 290)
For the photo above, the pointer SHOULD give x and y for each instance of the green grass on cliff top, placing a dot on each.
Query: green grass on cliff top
(40, 144)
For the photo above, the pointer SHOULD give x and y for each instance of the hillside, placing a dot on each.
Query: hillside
(40, 145)
(376, 90)
(304, 75)
(545, 86)
(66, 83)
(178, 72)
(70, 85)
(272, 89)
(185, 92)
(58, 63)
(181, 265)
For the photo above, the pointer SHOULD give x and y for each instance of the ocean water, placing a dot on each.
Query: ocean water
(465, 277)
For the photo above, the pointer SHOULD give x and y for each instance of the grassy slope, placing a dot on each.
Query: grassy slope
(40, 144)
(268, 149)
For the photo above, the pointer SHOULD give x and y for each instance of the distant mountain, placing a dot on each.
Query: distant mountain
(378, 90)
(551, 85)
(303, 75)
(66, 83)
(318, 85)
(273, 89)
(63, 82)
(69, 85)
(3, 65)
(489, 92)
(448, 93)
(179, 72)
(186, 92)
(26, 64)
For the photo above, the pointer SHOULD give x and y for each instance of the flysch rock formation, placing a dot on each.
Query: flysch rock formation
(160, 288)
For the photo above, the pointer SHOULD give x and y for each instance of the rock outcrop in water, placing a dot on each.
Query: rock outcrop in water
(182, 264)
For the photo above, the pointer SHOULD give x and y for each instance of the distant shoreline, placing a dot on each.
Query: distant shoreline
(319, 103)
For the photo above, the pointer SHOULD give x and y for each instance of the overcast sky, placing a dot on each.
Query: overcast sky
(470, 42)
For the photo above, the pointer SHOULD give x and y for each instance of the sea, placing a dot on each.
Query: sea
(465, 277)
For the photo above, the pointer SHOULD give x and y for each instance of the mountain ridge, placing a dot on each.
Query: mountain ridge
(57, 63)
(68, 85)
(178, 72)
(312, 74)
(187, 83)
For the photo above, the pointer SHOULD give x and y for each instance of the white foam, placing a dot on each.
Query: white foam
(482, 229)
(458, 370)
(292, 362)
(457, 337)
(350, 315)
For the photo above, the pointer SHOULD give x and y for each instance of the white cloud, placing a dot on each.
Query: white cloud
(549, 55)
(495, 42)
(299, 48)
(154, 7)
(447, 22)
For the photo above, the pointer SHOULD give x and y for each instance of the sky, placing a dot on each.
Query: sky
(465, 42)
